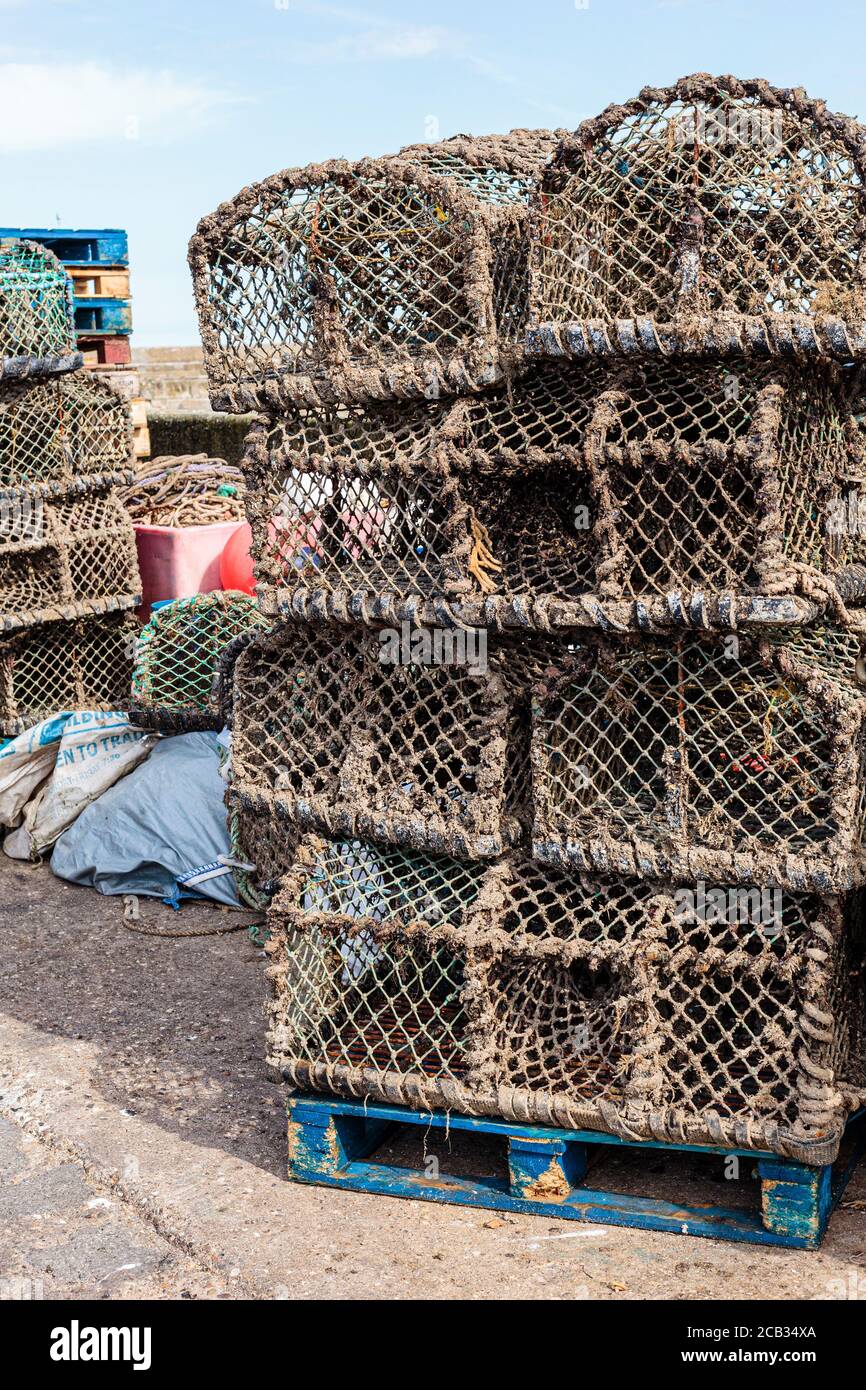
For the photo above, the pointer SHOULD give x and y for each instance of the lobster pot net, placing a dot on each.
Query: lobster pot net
(84, 664)
(395, 512)
(263, 845)
(176, 659)
(725, 757)
(36, 327)
(366, 281)
(705, 1014)
(53, 431)
(721, 482)
(716, 495)
(376, 732)
(65, 555)
(715, 213)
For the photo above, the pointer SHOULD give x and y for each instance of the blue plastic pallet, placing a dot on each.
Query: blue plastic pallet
(333, 1143)
(86, 246)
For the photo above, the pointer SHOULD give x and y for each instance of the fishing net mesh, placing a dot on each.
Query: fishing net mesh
(64, 555)
(705, 755)
(343, 730)
(53, 431)
(83, 664)
(581, 1001)
(713, 199)
(35, 309)
(176, 659)
(263, 844)
(653, 487)
(369, 280)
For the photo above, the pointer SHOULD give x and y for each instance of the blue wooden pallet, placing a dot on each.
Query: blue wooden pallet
(78, 246)
(103, 316)
(333, 1143)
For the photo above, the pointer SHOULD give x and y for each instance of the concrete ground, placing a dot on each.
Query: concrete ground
(142, 1149)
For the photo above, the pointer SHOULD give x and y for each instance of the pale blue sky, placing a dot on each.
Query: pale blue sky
(145, 114)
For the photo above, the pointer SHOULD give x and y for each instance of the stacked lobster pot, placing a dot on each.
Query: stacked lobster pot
(551, 765)
(68, 567)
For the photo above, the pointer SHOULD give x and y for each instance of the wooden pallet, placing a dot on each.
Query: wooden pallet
(105, 351)
(333, 1143)
(78, 246)
(99, 282)
(102, 317)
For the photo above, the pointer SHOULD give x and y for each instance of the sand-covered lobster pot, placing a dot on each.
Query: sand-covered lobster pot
(66, 550)
(177, 656)
(516, 989)
(83, 664)
(369, 280)
(715, 215)
(54, 431)
(642, 497)
(705, 756)
(385, 734)
(37, 334)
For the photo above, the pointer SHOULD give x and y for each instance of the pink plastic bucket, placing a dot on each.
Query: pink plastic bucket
(179, 561)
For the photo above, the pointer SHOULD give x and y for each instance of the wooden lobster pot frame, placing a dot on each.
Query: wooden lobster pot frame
(66, 551)
(716, 215)
(518, 990)
(54, 431)
(733, 759)
(643, 499)
(83, 664)
(177, 656)
(369, 280)
(384, 734)
(37, 333)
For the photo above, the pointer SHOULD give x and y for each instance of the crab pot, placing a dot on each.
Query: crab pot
(478, 509)
(57, 430)
(650, 498)
(716, 214)
(406, 735)
(728, 757)
(37, 334)
(394, 277)
(685, 1015)
(725, 493)
(176, 660)
(66, 551)
(81, 664)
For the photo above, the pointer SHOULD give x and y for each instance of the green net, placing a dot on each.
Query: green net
(36, 326)
(177, 656)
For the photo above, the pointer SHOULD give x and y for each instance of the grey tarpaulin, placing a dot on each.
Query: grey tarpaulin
(164, 820)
